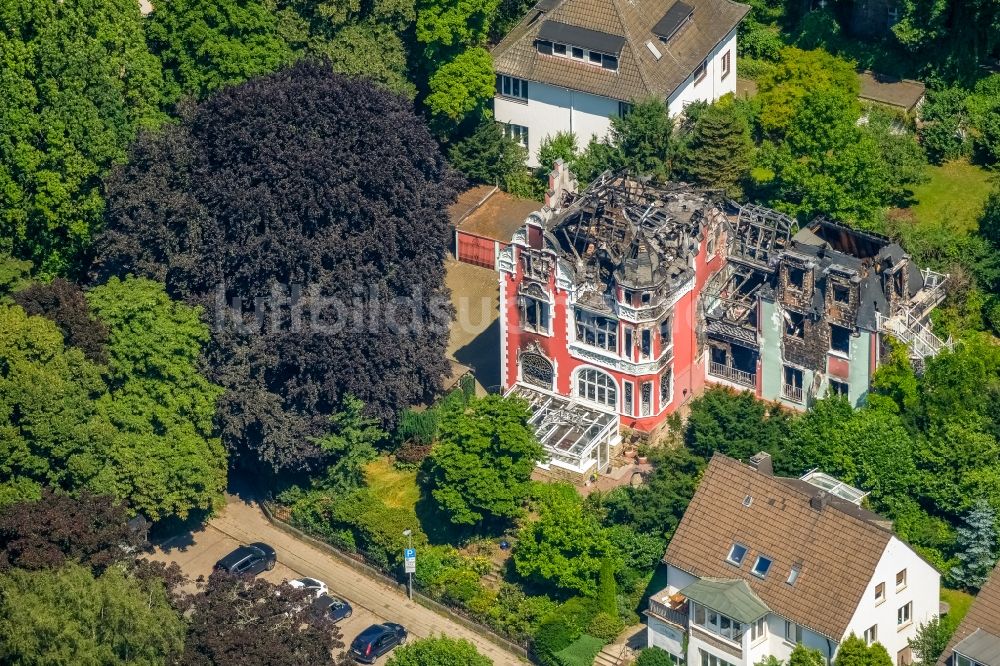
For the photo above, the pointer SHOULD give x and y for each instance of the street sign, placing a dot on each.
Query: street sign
(410, 560)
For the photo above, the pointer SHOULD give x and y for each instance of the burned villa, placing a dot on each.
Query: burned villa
(619, 303)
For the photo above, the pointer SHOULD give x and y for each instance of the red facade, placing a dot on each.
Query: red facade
(606, 292)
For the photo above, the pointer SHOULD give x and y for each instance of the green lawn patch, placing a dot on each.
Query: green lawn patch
(954, 195)
(580, 652)
(958, 603)
(396, 488)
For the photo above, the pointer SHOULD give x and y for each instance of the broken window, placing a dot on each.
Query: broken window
(646, 344)
(796, 277)
(665, 332)
(646, 400)
(597, 331)
(536, 369)
(794, 324)
(535, 315)
(839, 388)
(841, 294)
(840, 339)
(792, 388)
(646, 297)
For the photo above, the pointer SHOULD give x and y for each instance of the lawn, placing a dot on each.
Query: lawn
(397, 489)
(954, 194)
(958, 602)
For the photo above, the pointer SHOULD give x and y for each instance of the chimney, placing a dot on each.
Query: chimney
(762, 463)
(819, 501)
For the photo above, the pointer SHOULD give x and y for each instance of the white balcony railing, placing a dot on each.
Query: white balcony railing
(792, 392)
(729, 373)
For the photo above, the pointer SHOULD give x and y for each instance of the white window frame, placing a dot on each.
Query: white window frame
(518, 133)
(512, 87)
(793, 632)
(901, 575)
(756, 565)
(589, 381)
(880, 593)
(871, 634)
(758, 630)
(904, 615)
(732, 549)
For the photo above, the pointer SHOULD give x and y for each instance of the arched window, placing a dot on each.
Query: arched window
(536, 369)
(596, 386)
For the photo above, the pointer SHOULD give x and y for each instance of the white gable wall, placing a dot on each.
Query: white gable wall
(923, 589)
(713, 86)
(551, 109)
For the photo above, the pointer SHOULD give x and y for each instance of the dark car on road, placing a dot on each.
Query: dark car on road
(376, 640)
(248, 560)
(332, 607)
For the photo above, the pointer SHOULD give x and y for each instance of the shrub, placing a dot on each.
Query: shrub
(411, 455)
(654, 656)
(607, 590)
(605, 626)
(417, 427)
(554, 634)
(580, 652)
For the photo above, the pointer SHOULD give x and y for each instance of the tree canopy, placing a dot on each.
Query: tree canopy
(338, 225)
(480, 469)
(78, 82)
(68, 615)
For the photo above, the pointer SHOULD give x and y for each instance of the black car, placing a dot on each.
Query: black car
(332, 607)
(248, 560)
(376, 640)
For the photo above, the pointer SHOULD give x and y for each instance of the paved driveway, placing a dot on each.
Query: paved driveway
(372, 600)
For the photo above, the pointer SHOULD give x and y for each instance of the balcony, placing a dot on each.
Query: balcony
(729, 373)
(792, 392)
(675, 613)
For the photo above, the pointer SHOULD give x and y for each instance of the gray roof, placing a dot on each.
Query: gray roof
(732, 598)
(595, 40)
(640, 74)
(982, 647)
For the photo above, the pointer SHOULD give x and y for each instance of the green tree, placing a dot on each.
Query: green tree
(734, 423)
(205, 45)
(931, 640)
(372, 50)
(69, 616)
(438, 651)
(350, 445)
(770, 660)
(565, 546)
(487, 156)
(458, 87)
(607, 589)
(803, 656)
(78, 83)
(783, 88)
(445, 27)
(944, 124)
(855, 651)
(480, 469)
(718, 150)
(165, 455)
(644, 139)
(989, 221)
(559, 146)
(977, 547)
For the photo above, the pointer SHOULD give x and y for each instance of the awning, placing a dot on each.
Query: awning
(732, 598)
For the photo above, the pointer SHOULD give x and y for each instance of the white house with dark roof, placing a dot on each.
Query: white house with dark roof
(760, 563)
(570, 65)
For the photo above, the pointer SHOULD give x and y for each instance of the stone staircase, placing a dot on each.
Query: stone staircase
(614, 654)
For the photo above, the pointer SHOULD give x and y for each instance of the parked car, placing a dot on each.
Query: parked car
(376, 640)
(332, 607)
(313, 585)
(248, 560)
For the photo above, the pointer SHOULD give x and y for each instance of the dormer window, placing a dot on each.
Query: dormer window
(592, 47)
(761, 566)
(736, 554)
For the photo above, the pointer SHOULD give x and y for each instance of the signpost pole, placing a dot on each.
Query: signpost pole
(409, 562)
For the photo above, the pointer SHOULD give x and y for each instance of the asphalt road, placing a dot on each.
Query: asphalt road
(373, 601)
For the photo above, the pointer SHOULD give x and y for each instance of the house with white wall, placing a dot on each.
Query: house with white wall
(761, 563)
(570, 65)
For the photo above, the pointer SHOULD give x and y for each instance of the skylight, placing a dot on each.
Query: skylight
(737, 553)
(793, 575)
(834, 486)
(761, 566)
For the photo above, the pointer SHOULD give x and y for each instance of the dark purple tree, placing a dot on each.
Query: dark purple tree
(64, 303)
(242, 622)
(326, 198)
(89, 529)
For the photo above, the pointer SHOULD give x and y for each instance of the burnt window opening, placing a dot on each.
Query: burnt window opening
(535, 315)
(792, 386)
(666, 339)
(536, 369)
(646, 343)
(597, 331)
(794, 324)
(646, 298)
(627, 349)
(839, 388)
(629, 297)
(841, 294)
(840, 339)
(796, 277)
